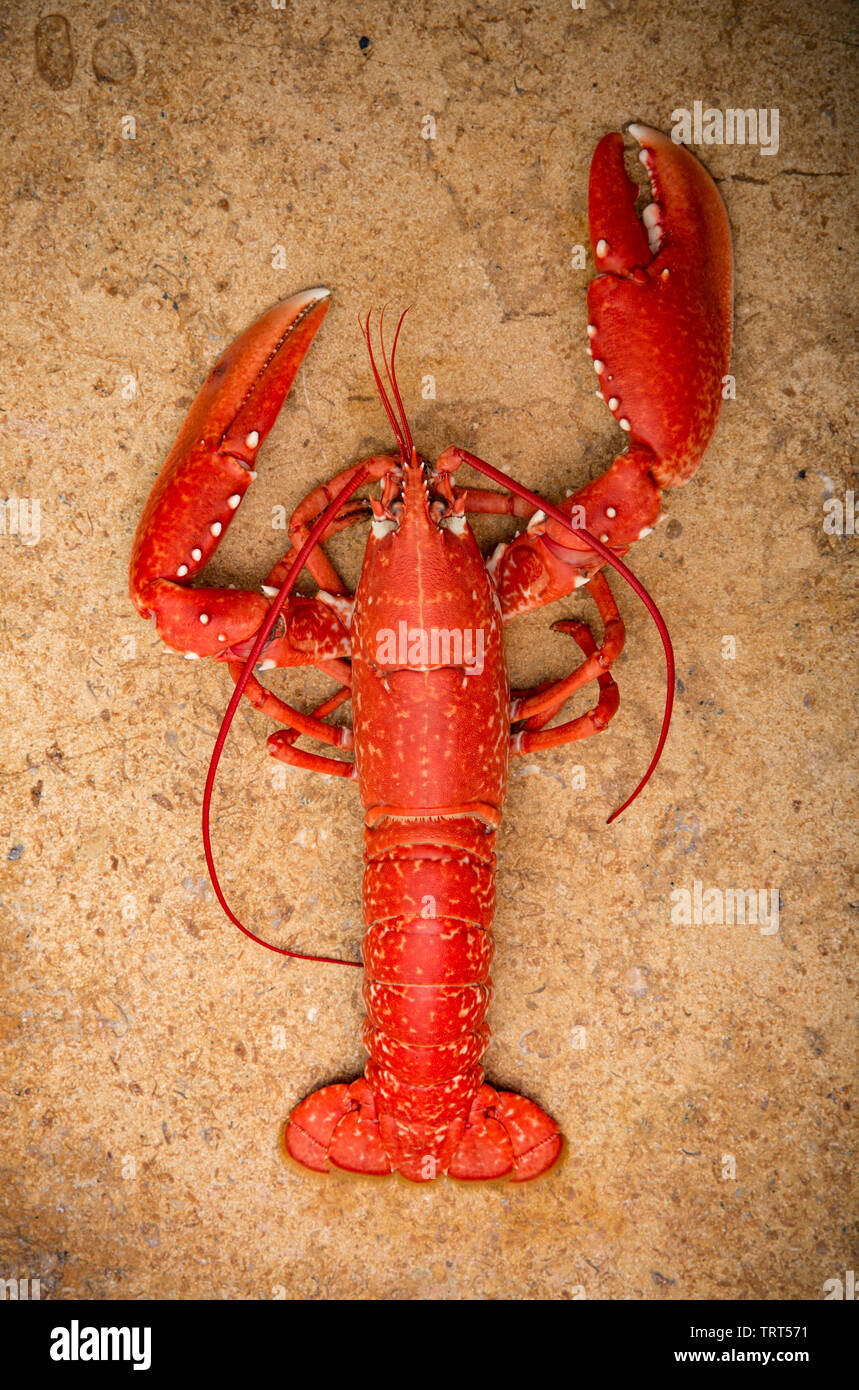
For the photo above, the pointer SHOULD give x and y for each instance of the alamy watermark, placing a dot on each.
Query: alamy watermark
(840, 518)
(76, 1343)
(21, 517)
(16, 1289)
(726, 907)
(733, 126)
(841, 1289)
(421, 649)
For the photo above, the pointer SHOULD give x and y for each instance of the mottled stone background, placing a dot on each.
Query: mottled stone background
(149, 1052)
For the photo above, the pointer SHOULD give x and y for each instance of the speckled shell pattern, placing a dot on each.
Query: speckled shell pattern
(431, 755)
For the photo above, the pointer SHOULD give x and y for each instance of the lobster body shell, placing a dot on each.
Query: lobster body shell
(431, 718)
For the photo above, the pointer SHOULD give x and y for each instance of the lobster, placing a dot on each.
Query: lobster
(419, 648)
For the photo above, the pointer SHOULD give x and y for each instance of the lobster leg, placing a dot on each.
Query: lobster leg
(311, 508)
(311, 725)
(539, 706)
(487, 502)
(533, 736)
(336, 595)
(281, 745)
(274, 708)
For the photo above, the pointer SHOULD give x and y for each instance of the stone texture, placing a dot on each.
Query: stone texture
(149, 1052)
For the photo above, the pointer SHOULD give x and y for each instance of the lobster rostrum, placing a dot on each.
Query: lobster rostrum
(419, 648)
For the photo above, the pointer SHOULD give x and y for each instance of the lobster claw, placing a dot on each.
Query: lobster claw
(660, 339)
(660, 309)
(205, 477)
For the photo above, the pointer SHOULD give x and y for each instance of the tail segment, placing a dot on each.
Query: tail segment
(503, 1136)
(423, 1108)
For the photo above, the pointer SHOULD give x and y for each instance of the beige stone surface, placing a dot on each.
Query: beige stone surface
(149, 1052)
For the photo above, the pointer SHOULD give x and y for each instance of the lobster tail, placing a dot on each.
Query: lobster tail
(423, 1108)
(429, 897)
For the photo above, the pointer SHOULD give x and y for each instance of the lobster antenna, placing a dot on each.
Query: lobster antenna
(247, 670)
(392, 375)
(635, 584)
(398, 435)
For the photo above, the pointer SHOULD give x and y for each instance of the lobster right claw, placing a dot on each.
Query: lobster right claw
(660, 339)
(660, 309)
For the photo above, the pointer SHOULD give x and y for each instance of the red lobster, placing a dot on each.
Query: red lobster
(419, 647)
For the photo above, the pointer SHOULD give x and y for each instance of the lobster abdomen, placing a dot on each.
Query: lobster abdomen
(429, 898)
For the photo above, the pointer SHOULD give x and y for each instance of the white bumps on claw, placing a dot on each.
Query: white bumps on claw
(269, 590)
(599, 367)
(233, 502)
(216, 528)
(252, 439)
(267, 665)
(196, 554)
(624, 424)
(611, 512)
(602, 248)
(613, 403)
(181, 571)
(204, 617)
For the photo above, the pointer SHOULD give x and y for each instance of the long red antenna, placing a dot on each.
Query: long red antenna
(398, 434)
(392, 375)
(609, 556)
(262, 636)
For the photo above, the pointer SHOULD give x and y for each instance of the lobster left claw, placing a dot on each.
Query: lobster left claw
(660, 339)
(200, 488)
